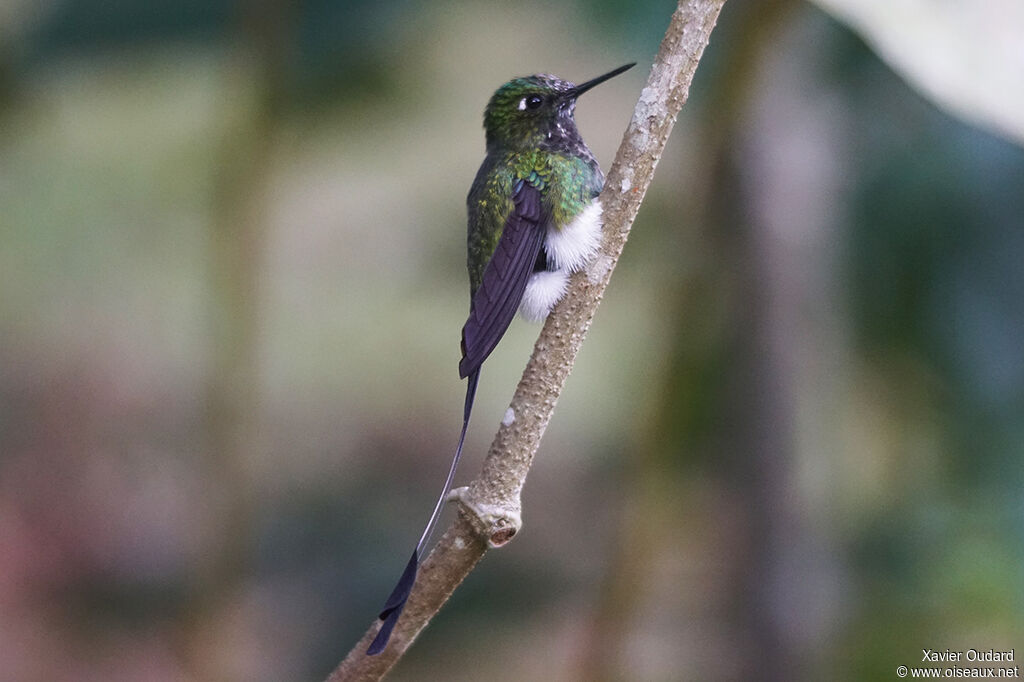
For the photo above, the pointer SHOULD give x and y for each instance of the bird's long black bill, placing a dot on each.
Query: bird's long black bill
(583, 87)
(400, 595)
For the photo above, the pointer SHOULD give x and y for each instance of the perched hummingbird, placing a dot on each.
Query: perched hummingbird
(534, 219)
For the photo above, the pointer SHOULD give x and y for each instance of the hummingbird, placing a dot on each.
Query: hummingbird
(534, 219)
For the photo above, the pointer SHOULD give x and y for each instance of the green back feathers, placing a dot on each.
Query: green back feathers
(568, 184)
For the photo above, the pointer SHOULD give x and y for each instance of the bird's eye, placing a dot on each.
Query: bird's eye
(534, 101)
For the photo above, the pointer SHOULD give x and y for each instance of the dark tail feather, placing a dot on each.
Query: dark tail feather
(467, 410)
(394, 605)
(396, 602)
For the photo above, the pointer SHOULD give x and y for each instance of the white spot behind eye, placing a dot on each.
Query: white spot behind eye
(522, 104)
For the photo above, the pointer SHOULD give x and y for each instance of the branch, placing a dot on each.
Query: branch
(490, 508)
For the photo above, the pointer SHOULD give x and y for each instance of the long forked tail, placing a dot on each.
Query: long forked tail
(400, 595)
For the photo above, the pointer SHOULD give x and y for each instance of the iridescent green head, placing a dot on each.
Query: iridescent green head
(536, 112)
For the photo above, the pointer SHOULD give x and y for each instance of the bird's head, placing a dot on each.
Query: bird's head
(535, 111)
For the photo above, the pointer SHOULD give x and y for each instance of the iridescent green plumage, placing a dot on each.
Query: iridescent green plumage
(566, 183)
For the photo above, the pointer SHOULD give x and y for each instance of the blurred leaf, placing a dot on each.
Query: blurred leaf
(965, 55)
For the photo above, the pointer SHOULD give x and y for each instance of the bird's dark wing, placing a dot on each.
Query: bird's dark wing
(501, 289)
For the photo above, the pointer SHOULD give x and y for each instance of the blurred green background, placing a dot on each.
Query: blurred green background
(232, 276)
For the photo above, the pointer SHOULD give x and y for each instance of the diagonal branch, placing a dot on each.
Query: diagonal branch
(489, 510)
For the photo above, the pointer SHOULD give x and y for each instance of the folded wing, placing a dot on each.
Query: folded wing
(494, 304)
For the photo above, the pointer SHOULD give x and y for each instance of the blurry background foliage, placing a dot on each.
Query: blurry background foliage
(232, 285)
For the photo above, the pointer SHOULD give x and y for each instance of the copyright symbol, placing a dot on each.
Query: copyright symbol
(901, 671)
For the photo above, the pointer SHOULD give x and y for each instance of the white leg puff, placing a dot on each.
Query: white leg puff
(543, 290)
(572, 247)
(568, 250)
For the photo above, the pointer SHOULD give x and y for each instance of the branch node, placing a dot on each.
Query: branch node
(495, 522)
